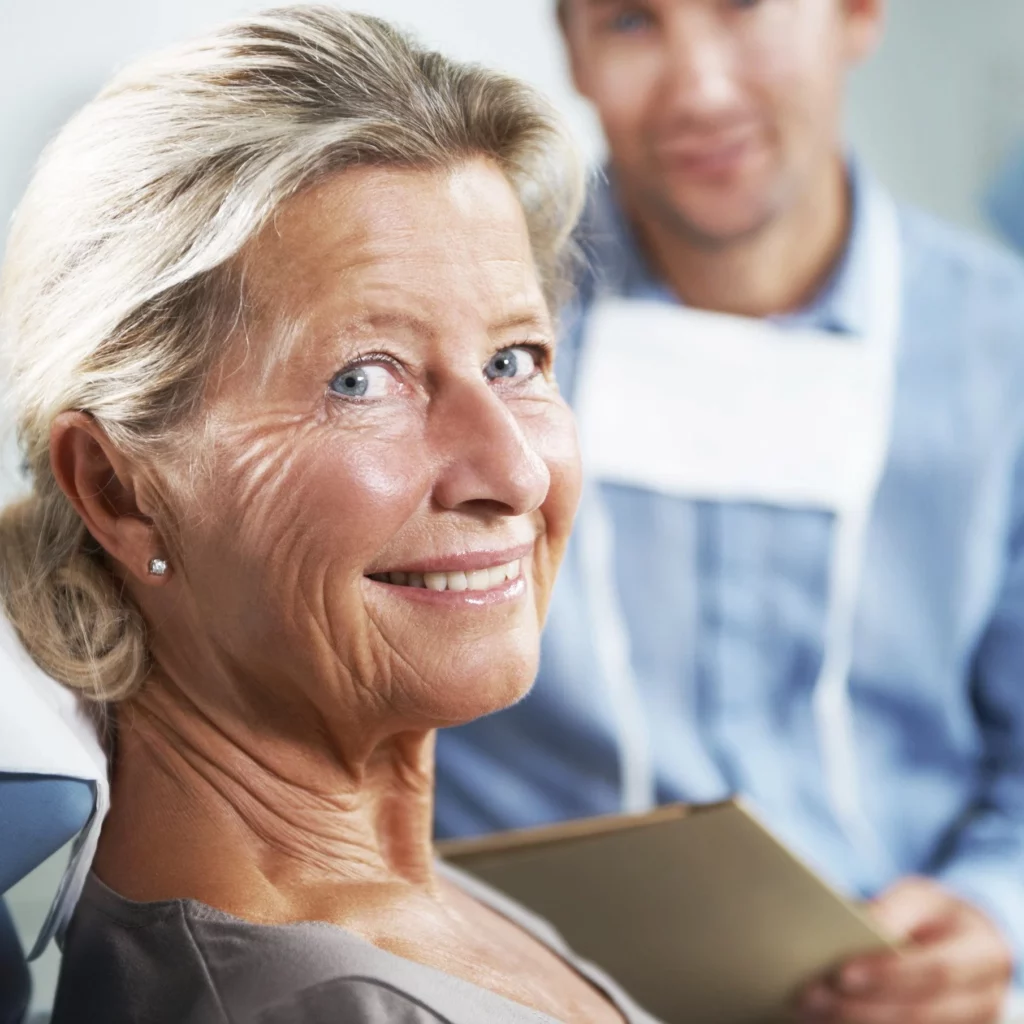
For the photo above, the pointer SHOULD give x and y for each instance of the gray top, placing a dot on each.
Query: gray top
(182, 962)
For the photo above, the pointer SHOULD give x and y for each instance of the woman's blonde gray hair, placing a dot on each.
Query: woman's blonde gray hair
(118, 293)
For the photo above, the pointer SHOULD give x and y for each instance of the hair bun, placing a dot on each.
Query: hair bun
(75, 622)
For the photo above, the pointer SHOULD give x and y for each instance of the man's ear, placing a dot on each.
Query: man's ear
(865, 25)
(104, 489)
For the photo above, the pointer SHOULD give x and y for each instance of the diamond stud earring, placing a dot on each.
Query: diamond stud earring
(158, 567)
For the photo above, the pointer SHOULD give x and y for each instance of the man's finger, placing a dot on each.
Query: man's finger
(913, 907)
(967, 959)
(980, 1006)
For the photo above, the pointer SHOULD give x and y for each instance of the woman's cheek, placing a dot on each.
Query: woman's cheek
(551, 432)
(371, 486)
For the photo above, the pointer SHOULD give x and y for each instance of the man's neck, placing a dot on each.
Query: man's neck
(259, 826)
(777, 269)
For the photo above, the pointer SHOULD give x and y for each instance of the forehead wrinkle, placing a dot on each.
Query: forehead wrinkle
(284, 325)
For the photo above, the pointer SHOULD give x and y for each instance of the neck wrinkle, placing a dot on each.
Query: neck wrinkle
(258, 825)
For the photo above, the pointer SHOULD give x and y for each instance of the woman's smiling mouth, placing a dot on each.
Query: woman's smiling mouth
(457, 580)
(479, 577)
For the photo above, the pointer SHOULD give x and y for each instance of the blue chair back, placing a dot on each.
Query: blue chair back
(15, 982)
(53, 783)
(38, 815)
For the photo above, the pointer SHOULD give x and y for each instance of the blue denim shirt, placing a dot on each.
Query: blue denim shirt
(725, 605)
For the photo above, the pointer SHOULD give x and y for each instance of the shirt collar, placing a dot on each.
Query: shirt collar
(841, 306)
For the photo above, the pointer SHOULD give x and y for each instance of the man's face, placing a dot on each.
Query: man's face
(719, 113)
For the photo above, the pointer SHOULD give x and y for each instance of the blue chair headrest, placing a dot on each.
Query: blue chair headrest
(53, 777)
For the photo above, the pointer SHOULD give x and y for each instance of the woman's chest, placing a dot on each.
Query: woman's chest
(486, 949)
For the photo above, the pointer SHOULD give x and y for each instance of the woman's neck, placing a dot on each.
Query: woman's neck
(259, 826)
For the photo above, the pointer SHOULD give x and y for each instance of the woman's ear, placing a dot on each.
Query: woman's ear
(103, 487)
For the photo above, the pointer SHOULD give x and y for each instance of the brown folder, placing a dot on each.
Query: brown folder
(699, 913)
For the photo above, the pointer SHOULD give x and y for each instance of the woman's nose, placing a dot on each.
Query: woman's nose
(486, 457)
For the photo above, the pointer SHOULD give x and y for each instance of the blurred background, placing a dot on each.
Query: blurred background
(935, 114)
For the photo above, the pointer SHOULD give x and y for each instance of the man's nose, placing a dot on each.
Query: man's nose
(699, 72)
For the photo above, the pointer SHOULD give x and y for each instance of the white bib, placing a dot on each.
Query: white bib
(705, 406)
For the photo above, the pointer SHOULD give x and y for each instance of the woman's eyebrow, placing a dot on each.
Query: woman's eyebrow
(530, 319)
(364, 323)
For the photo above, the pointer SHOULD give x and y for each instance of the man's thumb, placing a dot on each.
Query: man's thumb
(913, 909)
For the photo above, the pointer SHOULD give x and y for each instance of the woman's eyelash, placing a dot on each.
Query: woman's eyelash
(542, 351)
(365, 358)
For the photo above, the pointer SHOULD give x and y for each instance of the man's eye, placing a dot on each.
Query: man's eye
(628, 22)
(369, 380)
(516, 363)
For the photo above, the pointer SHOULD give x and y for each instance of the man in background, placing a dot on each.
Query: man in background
(820, 605)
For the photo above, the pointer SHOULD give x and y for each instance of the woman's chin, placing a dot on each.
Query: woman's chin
(463, 695)
(470, 654)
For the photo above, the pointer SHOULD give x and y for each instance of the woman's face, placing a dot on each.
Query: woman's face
(393, 474)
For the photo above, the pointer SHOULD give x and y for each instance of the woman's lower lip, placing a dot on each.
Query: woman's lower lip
(510, 590)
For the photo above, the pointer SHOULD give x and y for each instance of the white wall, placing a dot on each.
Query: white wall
(938, 106)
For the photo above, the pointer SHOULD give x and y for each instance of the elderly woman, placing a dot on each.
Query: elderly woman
(278, 309)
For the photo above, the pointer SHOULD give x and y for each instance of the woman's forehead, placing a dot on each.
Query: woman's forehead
(377, 240)
(371, 215)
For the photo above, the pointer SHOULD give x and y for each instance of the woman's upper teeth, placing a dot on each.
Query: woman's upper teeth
(476, 579)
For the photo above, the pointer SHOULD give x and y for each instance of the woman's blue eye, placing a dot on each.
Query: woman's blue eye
(511, 363)
(351, 383)
(368, 380)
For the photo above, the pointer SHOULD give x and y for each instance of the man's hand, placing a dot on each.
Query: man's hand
(955, 967)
